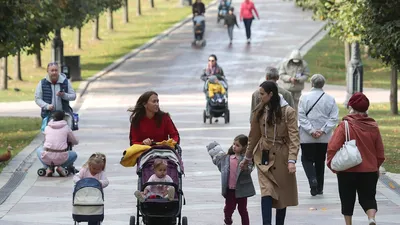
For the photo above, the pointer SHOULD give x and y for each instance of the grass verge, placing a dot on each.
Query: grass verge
(17, 132)
(389, 128)
(327, 58)
(96, 55)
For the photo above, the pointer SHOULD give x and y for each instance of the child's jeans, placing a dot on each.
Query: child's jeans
(70, 161)
(230, 32)
(266, 210)
(230, 205)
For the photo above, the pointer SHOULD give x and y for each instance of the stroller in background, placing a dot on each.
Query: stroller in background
(72, 121)
(160, 211)
(88, 201)
(217, 106)
(199, 26)
(223, 9)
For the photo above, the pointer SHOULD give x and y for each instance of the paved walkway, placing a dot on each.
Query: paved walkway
(172, 69)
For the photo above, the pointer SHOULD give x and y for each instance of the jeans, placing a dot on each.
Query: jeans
(313, 158)
(266, 210)
(72, 156)
(230, 32)
(247, 25)
(230, 205)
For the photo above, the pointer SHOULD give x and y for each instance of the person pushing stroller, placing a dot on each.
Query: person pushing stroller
(199, 25)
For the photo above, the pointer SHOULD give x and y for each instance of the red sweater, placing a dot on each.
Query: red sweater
(368, 140)
(148, 129)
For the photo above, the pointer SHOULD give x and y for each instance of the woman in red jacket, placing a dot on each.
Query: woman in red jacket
(363, 177)
(148, 123)
(246, 15)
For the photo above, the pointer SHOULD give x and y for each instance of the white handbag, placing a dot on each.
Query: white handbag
(348, 156)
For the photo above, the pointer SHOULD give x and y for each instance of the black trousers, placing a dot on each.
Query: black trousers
(247, 25)
(364, 184)
(313, 159)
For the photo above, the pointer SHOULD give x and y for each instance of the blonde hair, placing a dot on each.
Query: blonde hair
(159, 162)
(96, 158)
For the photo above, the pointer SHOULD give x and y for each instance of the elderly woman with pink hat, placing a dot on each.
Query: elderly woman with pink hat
(363, 178)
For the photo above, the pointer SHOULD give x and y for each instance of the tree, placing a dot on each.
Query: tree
(17, 67)
(126, 15)
(138, 8)
(4, 73)
(113, 5)
(151, 3)
(381, 21)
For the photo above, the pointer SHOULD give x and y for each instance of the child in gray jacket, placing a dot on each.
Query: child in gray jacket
(237, 184)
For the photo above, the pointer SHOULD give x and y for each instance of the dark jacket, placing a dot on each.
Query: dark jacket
(198, 7)
(230, 20)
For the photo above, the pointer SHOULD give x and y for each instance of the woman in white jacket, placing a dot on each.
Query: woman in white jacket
(318, 115)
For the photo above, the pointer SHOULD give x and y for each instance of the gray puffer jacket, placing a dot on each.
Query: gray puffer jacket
(244, 183)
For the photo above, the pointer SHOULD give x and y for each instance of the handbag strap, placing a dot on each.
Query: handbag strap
(314, 104)
(347, 130)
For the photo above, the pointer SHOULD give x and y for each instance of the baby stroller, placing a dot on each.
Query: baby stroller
(218, 105)
(72, 121)
(199, 29)
(160, 211)
(223, 9)
(88, 201)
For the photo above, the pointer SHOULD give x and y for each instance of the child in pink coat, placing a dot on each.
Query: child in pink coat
(94, 168)
(55, 151)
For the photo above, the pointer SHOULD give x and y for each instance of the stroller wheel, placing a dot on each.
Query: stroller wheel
(226, 116)
(41, 172)
(210, 119)
(204, 116)
(132, 220)
(184, 220)
(203, 44)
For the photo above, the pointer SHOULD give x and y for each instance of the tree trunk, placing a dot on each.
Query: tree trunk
(78, 43)
(38, 56)
(151, 3)
(393, 92)
(138, 8)
(347, 53)
(96, 28)
(366, 51)
(110, 21)
(17, 67)
(125, 10)
(3, 74)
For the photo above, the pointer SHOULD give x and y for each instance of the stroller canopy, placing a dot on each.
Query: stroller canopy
(161, 152)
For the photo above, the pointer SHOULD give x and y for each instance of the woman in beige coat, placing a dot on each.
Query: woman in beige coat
(274, 144)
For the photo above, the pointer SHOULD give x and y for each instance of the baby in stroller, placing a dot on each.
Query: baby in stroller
(158, 191)
(55, 154)
(217, 102)
(215, 89)
(199, 26)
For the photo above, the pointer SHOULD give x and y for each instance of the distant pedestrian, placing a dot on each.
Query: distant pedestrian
(293, 73)
(363, 178)
(246, 15)
(237, 184)
(318, 115)
(230, 22)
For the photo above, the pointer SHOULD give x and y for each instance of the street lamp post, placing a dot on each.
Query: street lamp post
(57, 51)
(355, 72)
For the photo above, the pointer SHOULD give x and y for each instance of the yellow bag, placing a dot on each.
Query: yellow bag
(131, 154)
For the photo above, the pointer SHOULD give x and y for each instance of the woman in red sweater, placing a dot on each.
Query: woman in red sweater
(363, 177)
(246, 15)
(148, 123)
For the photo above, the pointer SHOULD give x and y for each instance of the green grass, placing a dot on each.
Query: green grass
(17, 132)
(389, 128)
(327, 58)
(96, 55)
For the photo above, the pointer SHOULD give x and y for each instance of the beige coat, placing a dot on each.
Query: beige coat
(283, 144)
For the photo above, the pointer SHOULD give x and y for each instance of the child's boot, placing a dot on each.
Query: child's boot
(49, 171)
(139, 196)
(171, 193)
(61, 171)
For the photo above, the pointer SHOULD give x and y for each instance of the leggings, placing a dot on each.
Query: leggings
(247, 25)
(266, 210)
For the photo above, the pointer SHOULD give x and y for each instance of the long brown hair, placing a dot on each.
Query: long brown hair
(139, 111)
(274, 104)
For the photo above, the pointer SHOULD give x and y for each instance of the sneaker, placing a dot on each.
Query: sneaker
(372, 221)
(61, 171)
(139, 196)
(171, 193)
(49, 172)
